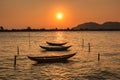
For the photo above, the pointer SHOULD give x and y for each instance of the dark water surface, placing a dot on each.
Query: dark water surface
(83, 66)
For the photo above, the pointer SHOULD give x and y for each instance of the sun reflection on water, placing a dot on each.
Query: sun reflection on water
(59, 36)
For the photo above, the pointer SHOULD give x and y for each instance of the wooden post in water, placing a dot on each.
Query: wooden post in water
(15, 57)
(89, 47)
(17, 50)
(98, 56)
(29, 39)
(82, 43)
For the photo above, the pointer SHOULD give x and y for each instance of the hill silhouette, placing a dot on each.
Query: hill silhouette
(96, 26)
(111, 25)
(89, 25)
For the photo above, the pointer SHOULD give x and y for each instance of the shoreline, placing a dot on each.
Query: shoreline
(49, 30)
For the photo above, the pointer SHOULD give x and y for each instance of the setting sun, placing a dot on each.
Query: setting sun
(59, 15)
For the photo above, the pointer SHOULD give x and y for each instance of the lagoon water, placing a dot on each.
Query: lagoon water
(83, 66)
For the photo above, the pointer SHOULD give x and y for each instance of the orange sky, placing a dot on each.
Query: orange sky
(42, 13)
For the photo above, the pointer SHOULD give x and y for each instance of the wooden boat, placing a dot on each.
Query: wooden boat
(47, 59)
(56, 44)
(55, 48)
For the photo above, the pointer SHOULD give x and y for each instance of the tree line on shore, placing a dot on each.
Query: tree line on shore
(90, 26)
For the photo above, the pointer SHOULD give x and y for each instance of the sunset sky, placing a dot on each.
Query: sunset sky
(43, 13)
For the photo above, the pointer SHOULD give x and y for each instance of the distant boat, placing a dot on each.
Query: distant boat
(55, 48)
(47, 59)
(56, 44)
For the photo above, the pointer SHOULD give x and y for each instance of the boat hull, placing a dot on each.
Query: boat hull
(56, 44)
(57, 48)
(51, 58)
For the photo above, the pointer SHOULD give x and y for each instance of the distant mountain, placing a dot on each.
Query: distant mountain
(111, 25)
(89, 25)
(96, 26)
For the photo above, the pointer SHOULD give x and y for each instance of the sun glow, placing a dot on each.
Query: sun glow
(59, 16)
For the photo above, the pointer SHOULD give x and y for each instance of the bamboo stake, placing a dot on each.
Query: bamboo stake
(17, 50)
(98, 56)
(29, 39)
(82, 43)
(89, 47)
(15, 57)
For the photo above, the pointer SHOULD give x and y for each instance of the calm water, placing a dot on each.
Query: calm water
(83, 66)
